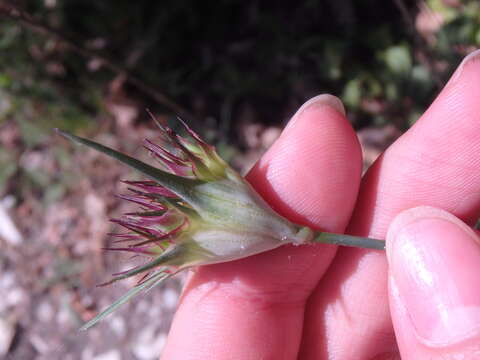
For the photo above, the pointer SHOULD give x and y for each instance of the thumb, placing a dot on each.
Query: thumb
(434, 287)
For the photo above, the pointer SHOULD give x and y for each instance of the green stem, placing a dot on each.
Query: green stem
(348, 240)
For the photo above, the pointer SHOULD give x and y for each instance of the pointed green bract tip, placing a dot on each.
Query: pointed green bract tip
(177, 184)
(146, 285)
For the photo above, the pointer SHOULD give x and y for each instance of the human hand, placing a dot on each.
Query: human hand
(324, 302)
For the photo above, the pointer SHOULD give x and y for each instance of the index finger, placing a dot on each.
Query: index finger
(253, 308)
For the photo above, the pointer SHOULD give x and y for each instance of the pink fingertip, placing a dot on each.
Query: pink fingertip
(433, 261)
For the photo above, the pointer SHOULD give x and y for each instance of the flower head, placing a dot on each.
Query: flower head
(193, 210)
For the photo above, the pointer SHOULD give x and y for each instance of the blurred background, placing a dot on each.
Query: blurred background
(235, 70)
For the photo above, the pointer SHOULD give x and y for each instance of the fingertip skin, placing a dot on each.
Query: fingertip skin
(434, 289)
(408, 216)
(302, 172)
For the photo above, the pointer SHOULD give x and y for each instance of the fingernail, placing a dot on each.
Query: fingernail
(434, 264)
(470, 58)
(318, 102)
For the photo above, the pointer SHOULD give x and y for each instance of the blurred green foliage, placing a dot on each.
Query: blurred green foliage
(216, 57)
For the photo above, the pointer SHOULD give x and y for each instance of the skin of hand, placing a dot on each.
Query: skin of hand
(421, 301)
